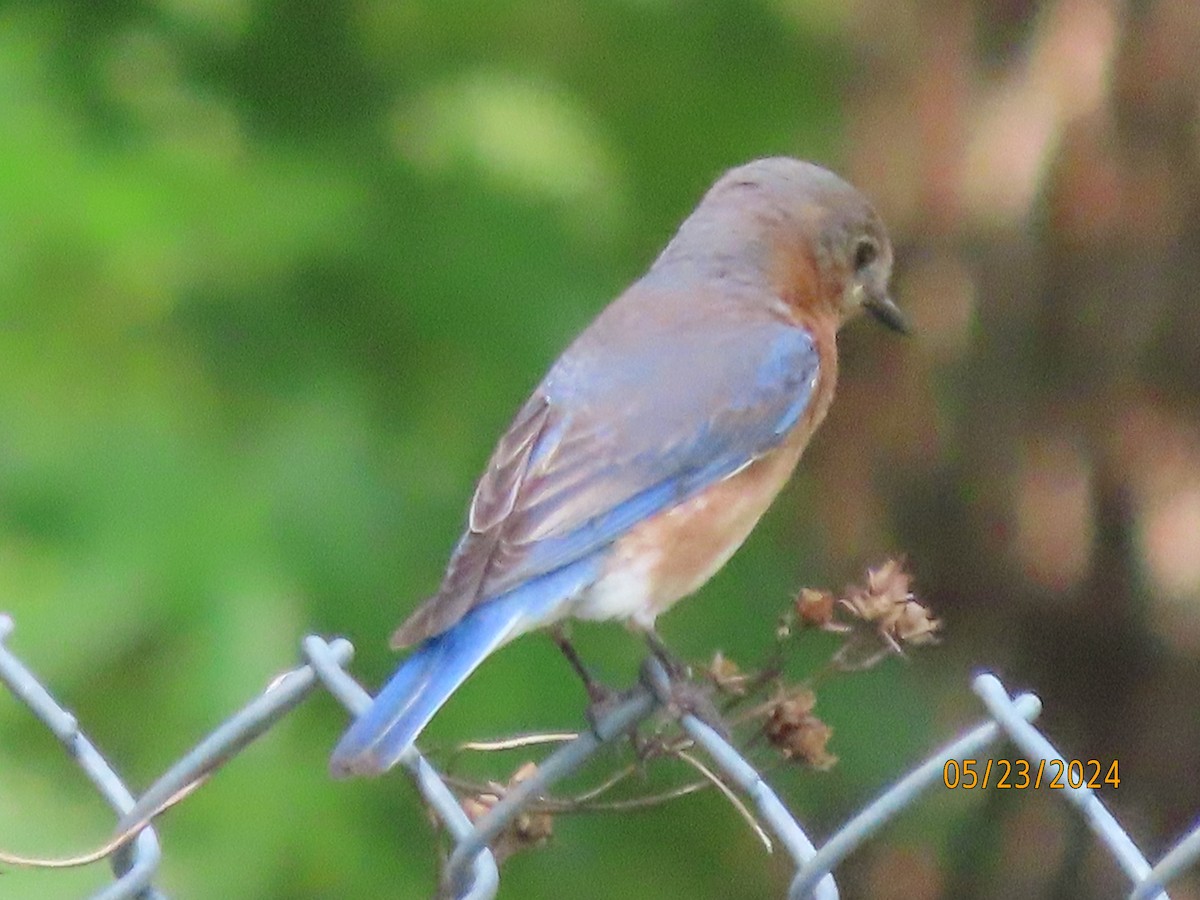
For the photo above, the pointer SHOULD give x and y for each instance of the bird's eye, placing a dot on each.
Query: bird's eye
(865, 253)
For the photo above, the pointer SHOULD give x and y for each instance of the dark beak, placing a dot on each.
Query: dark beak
(887, 312)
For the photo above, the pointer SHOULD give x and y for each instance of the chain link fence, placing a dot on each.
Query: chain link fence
(472, 870)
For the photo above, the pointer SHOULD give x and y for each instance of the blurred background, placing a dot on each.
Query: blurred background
(275, 275)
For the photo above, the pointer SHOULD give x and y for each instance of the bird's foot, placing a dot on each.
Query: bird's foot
(689, 698)
(673, 685)
(677, 669)
(602, 699)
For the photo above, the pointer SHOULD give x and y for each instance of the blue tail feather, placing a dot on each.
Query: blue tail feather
(435, 670)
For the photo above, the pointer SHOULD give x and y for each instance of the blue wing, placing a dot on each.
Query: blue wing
(634, 418)
(426, 679)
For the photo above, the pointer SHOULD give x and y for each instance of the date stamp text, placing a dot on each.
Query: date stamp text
(1056, 774)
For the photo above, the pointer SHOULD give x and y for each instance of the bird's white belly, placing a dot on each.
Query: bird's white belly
(624, 591)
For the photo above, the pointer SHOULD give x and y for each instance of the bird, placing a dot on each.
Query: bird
(655, 442)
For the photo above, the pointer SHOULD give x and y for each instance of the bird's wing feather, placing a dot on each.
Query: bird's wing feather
(624, 426)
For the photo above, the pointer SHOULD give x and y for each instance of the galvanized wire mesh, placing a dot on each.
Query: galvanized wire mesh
(472, 872)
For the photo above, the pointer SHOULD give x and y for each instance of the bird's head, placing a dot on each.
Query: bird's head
(813, 237)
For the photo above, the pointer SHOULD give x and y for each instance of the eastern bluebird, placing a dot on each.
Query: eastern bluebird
(656, 441)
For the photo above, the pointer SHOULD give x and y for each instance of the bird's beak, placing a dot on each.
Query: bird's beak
(882, 307)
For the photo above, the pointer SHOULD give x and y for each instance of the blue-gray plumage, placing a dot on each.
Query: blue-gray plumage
(655, 442)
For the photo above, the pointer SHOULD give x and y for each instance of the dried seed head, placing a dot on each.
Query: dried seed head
(887, 602)
(815, 608)
(726, 675)
(798, 734)
(531, 828)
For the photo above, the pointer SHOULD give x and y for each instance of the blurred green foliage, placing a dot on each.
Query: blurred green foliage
(273, 277)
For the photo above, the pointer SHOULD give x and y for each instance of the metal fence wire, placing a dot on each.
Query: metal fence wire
(472, 870)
